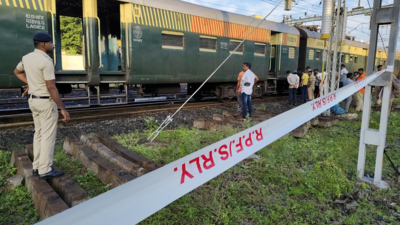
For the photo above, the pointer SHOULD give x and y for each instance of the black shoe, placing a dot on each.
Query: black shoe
(294, 104)
(51, 174)
(35, 172)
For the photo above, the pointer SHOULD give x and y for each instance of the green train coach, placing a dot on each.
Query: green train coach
(159, 44)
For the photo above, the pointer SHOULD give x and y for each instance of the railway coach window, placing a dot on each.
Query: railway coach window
(318, 55)
(172, 40)
(311, 54)
(347, 59)
(207, 43)
(355, 59)
(260, 49)
(233, 44)
(351, 59)
(292, 52)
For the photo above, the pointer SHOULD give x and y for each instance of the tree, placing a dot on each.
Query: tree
(71, 34)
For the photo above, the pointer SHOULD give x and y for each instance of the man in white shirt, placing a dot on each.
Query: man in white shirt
(293, 81)
(343, 75)
(247, 84)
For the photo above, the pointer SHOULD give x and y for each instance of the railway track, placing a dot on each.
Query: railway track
(21, 118)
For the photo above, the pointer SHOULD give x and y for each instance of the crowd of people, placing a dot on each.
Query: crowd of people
(309, 82)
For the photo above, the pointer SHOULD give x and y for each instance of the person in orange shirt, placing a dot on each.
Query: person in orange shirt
(239, 92)
(359, 95)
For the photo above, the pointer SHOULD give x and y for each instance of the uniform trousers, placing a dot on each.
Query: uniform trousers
(45, 117)
(359, 97)
(311, 92)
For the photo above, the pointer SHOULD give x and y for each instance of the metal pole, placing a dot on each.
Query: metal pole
(335, 48)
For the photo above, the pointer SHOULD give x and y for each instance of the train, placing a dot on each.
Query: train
(156, 45)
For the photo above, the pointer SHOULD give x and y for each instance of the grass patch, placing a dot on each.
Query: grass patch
(295, 182)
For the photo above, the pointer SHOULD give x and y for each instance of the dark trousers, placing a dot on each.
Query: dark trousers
(293, 95)
(316, 91)
(246, 105)
(340, 84)
(304, 93)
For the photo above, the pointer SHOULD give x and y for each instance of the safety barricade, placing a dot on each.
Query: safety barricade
(140, 198)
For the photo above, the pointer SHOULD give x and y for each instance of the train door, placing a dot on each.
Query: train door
(302, 53)
(272, 61)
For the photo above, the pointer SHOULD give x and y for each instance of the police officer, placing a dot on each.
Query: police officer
(37, 71)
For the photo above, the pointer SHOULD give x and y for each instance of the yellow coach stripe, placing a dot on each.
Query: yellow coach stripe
(157, 15)
(153, 21)
(7, 3)
(15, 3)
(149, 17)
(165, 19)
(172, 20)
(20, 4)
(132, 13)
(144, 15)
(160, 19)
(40, 5)
(169, 21)
(141, 15)
(178, 22)
(34, 4)
(27, 4)
(183, 22)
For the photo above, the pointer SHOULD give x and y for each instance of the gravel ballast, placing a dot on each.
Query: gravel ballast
(11, 138)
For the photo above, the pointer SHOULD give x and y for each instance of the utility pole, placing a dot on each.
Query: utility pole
(380, 16)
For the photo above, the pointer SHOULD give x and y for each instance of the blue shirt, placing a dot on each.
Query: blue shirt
(347, 81)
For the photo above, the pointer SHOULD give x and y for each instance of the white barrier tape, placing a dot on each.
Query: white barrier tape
(140, 198)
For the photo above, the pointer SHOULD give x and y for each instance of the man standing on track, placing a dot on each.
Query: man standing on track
(36, 69)
(343, 75)
(293, 81)
(303, 85)
(247, 84)
(311, 85)
(239, 92)
(359, 95)
(317, 75)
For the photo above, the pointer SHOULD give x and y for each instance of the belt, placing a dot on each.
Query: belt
(40, 97)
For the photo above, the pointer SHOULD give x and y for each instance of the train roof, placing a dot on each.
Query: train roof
(197, 10)
(309, 33)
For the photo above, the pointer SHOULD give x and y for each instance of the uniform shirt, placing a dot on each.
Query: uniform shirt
(248, 77)
(311, 81)
(38, 67)
(362, 76)
(305, 78)
(343, 73)
(292, 80)
(239, 90)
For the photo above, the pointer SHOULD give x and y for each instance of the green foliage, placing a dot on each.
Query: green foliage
(6, 169)
(17, 207)
(90, 183)
(71, 34)
(150, 124)
(326, 179)
(72, 167)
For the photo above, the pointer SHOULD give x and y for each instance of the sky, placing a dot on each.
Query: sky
(357, 26)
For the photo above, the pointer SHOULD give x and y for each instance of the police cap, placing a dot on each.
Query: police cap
(42, 37)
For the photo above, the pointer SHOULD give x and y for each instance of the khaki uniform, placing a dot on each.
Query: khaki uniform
(38, 67)
(311, 87)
